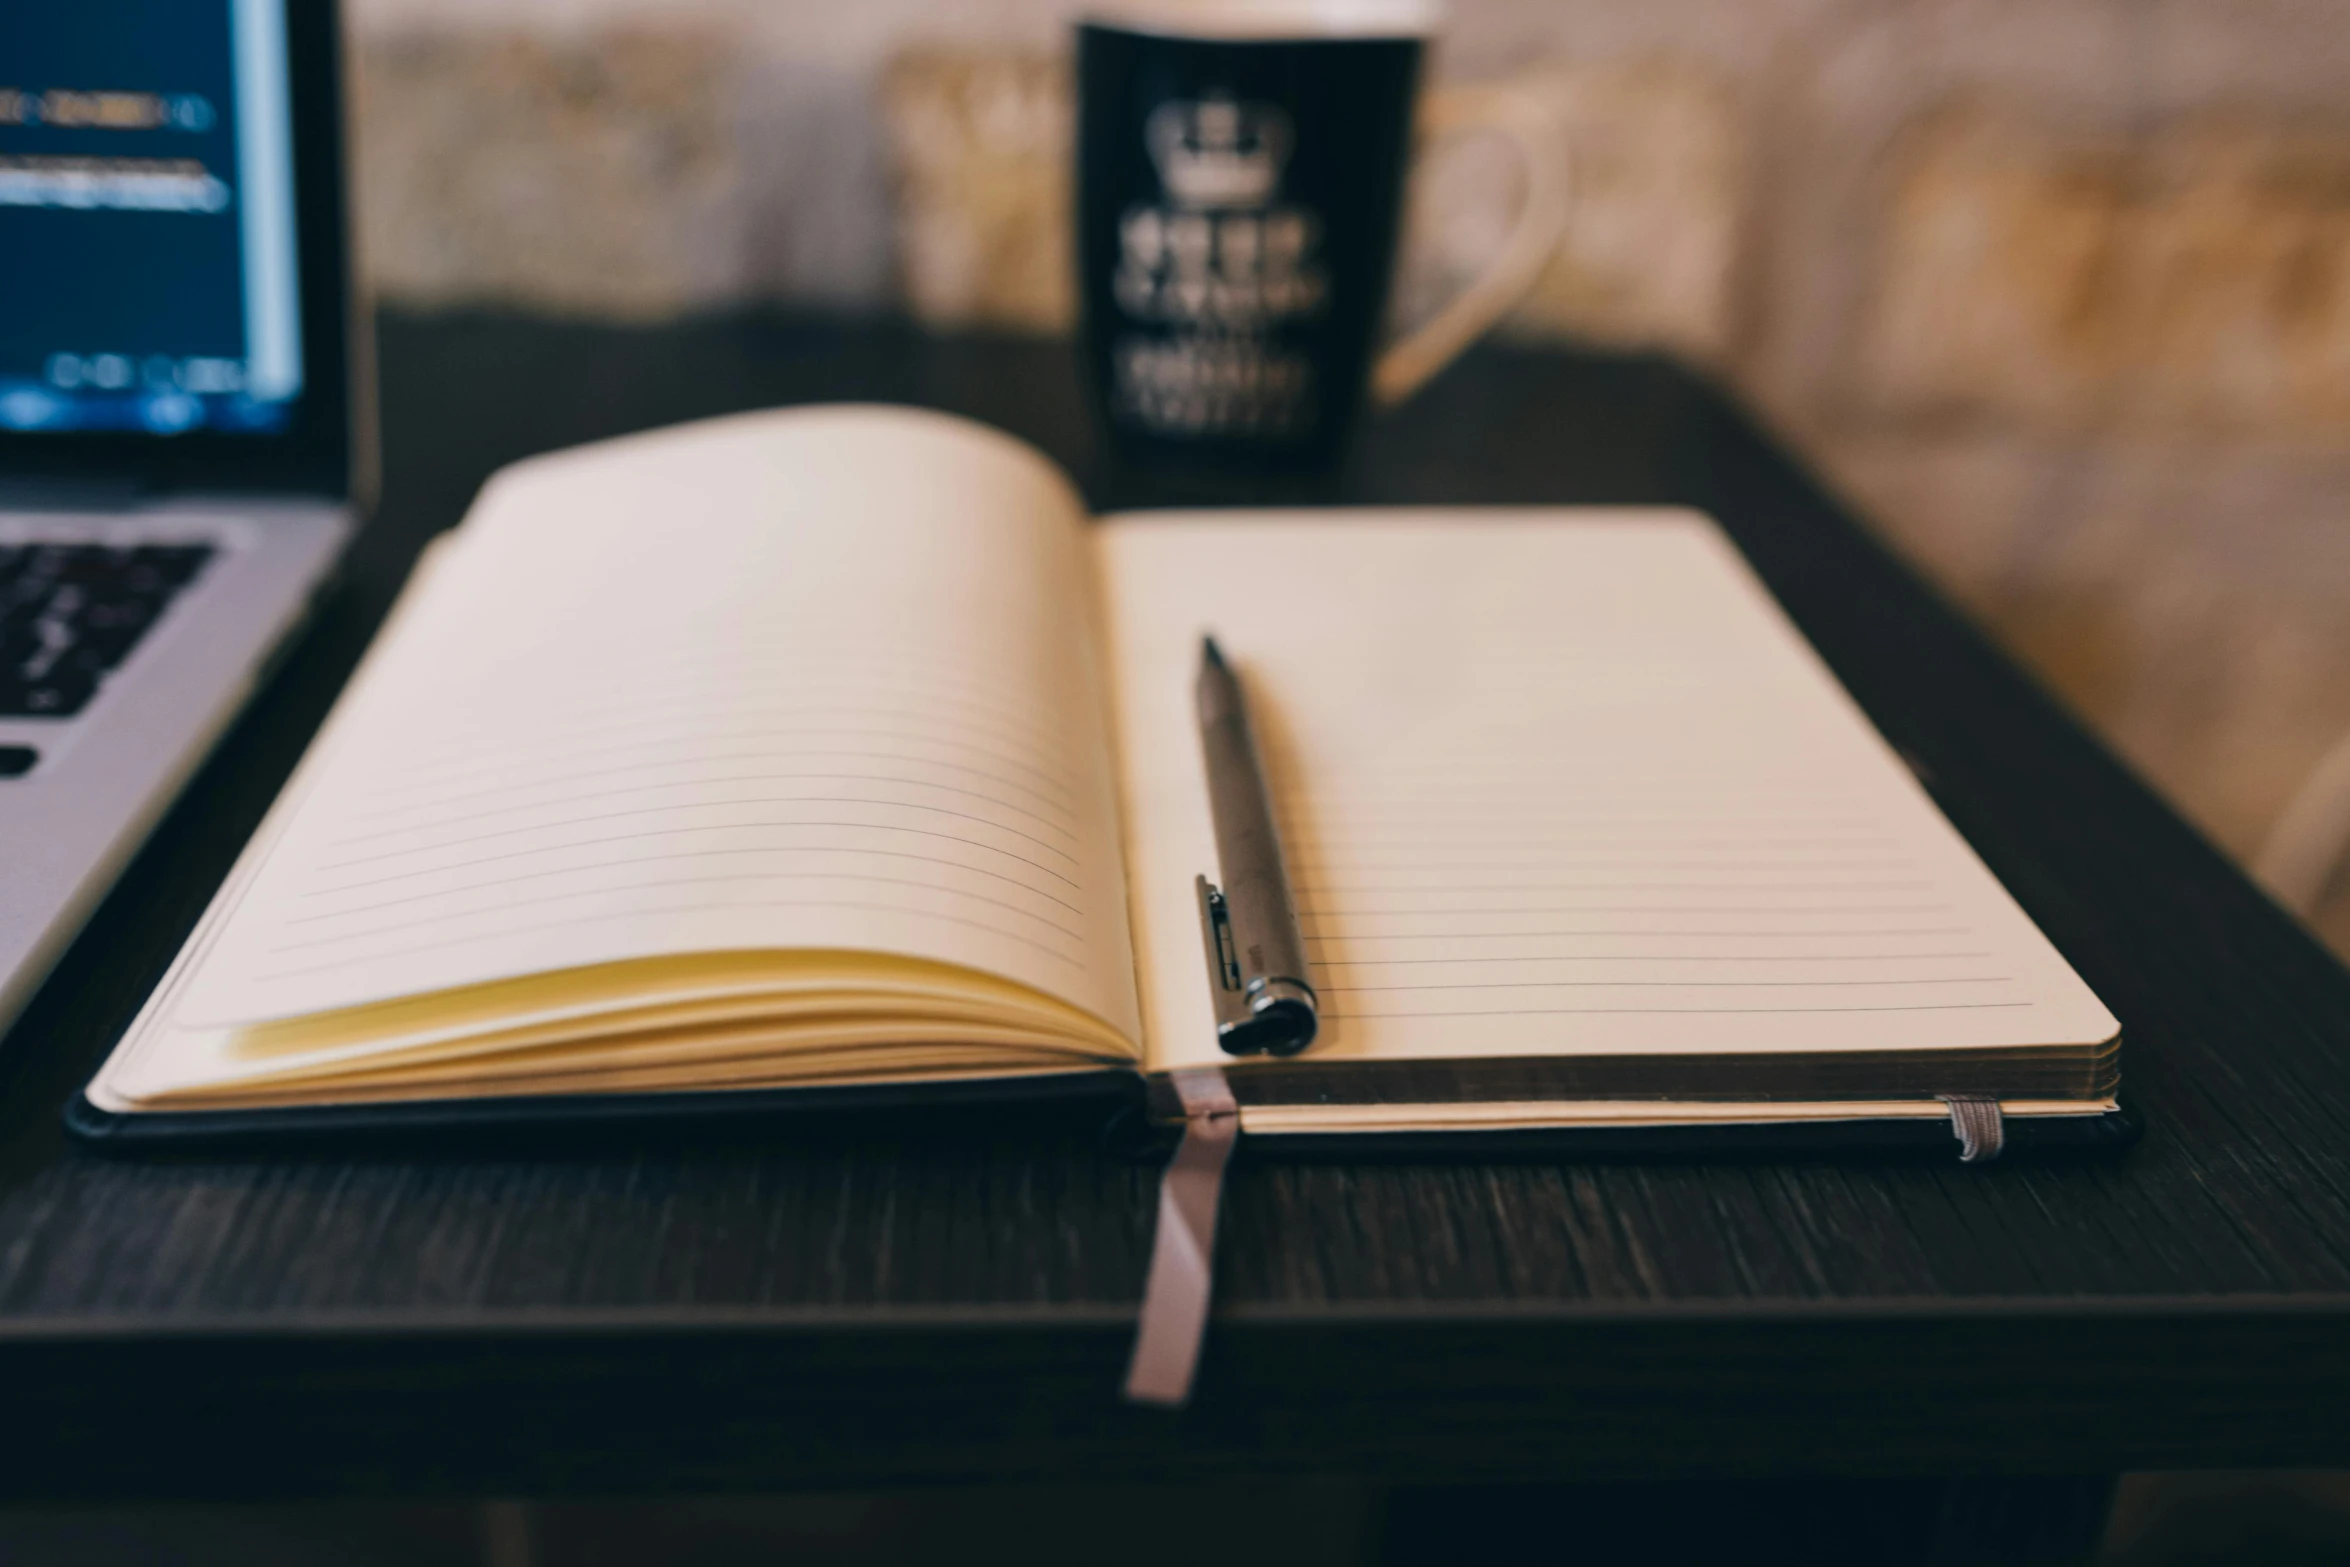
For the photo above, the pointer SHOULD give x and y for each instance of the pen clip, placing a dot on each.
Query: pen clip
(1276, 1018)
(1225, 990)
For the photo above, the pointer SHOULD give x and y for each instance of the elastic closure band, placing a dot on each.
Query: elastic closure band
(1182, 1277)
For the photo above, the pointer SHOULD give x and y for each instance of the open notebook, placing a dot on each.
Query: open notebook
(839, 747)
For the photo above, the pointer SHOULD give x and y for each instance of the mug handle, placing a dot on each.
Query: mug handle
(1409, 363)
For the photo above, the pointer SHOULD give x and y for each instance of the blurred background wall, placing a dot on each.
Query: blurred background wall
(2058, 291)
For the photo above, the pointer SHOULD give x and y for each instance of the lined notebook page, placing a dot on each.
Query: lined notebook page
(809, 679)
(1550, 783)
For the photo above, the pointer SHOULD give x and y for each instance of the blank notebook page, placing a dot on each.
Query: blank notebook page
(1550, 783)
(752, 685)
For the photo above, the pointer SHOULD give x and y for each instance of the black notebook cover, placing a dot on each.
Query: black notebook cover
(1112, 1099)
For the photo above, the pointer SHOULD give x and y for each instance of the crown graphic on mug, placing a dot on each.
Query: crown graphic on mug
(1214, 152)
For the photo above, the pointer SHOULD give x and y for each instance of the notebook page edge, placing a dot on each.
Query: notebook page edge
(152, 1026)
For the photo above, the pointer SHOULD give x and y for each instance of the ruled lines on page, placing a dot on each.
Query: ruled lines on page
(1553, 786)
(708, 692)
(1618, 901)
(723, 798)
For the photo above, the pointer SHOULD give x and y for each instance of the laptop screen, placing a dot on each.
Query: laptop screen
(147, 211)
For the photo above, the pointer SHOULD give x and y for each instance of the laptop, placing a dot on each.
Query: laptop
(183, 442)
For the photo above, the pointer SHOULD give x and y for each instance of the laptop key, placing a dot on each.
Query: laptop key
(60, 693)
(20, 640)
(17, 760)
(177, 564)
(105, 630)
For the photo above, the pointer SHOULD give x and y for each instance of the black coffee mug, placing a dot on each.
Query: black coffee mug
(1240, 185)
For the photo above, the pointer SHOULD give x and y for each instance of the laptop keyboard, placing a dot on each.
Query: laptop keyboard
(71, 613)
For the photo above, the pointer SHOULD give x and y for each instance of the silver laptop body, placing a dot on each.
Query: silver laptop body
(183, 425)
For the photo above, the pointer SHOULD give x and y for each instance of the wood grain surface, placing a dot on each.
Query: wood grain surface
(888, 1299)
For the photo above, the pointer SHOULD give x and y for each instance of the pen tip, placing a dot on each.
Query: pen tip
(1210, 655)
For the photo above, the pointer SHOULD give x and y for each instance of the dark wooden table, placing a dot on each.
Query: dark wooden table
(895, 1302)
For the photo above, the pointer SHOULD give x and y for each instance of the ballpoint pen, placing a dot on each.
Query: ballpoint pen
(1257, 968)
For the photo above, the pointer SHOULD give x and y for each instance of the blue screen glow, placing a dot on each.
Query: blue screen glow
(147, 213)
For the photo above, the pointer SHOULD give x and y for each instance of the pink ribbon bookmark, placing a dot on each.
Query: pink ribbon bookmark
(1182, 1277)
